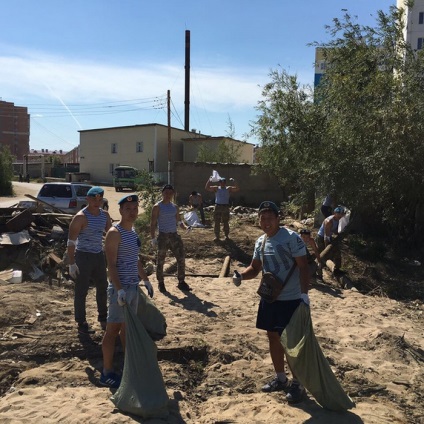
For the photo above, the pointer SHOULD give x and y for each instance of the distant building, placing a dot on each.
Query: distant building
(414, 23)
(413, 34)
(14, 128)
(144, 147)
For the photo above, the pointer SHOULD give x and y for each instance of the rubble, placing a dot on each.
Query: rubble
(32, 242)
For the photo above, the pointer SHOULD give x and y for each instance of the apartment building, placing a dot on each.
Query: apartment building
(14, 128)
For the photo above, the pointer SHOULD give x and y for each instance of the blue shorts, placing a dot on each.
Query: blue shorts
(115, 313)
(275, 316)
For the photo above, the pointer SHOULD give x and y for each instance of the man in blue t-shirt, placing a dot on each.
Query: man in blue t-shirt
(283, 253)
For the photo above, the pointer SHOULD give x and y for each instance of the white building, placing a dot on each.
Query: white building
(414, 20)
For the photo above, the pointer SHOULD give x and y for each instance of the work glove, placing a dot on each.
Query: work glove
(305, 298)
(236, 278)
(154, 243)
(73, 270)
(121, 297)
(149, 287)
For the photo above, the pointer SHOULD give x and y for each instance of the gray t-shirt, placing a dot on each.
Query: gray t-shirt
(278, 257)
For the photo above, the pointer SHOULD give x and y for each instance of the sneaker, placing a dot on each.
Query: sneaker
(182, 285)
(162, 287)
(296, 393)
(111, 380)
(216, 239)
(276, 385)
(84, 328)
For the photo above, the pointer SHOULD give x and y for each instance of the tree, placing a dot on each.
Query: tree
(6, 171)
(290, 131)
(363, 137)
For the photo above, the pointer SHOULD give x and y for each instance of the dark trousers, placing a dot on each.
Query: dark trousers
(92, 267)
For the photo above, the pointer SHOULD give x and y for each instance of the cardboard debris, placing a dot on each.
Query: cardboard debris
(15, 239)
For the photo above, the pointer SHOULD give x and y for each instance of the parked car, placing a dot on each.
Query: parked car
(69, 197)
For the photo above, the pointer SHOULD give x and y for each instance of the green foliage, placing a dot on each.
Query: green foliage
(362, 137)
(148, 194)
(6, 171)
(373, 250)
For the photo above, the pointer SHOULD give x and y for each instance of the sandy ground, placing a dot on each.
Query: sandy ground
(213, 359)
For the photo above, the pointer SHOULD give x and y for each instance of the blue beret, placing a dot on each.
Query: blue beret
(94, 191)
(339, 209)
(128, 199)
(269, 206)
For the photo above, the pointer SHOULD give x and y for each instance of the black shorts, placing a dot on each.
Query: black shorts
(275, 316)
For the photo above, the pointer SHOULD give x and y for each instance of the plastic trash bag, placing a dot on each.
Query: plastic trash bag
(192, 219)
(309, 364)
(151, 317)
(142, 391)
(215, 176)
(344, 221)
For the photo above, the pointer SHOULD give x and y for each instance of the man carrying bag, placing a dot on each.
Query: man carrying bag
(276, 252)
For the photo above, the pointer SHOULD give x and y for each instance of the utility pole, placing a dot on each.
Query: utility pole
(187, 82)
(169, 136)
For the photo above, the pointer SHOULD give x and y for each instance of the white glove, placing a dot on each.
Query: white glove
(73, 270)
(154, 243)
(121, 297)
(236, 278)
(305, 298)
(149, 287)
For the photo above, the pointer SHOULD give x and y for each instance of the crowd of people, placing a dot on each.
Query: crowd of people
(291, 258)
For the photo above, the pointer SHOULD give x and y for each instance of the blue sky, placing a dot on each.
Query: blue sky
(84, 64)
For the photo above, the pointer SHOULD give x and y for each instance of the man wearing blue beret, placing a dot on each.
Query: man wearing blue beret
(86, 257)
(122, 246)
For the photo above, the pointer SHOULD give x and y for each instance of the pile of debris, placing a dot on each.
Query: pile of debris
(32, 242)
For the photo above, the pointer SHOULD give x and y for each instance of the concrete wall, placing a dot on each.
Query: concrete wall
(253, 188)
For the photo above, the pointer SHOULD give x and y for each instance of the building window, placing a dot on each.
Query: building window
(420, 43)
(139, 147)
(421, 18)
(114, 148)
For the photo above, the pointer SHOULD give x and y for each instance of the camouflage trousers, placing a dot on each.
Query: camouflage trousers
(336, 254)
(221, 213)
(174, 243)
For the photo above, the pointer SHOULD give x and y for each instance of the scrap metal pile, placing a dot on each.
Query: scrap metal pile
(33, 242)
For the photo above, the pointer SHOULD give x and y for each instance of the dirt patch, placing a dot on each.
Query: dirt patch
(213, 359)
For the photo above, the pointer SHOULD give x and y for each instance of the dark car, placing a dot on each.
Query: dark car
(68, 197)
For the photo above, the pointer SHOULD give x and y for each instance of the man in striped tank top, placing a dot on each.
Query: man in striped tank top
(86, 257)
(125, 270)
(166, 218)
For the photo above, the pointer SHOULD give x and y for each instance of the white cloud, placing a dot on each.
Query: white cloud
(31, 75)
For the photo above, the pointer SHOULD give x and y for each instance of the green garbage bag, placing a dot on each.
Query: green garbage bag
(142, 391)
(309, 364)
(151, 317)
